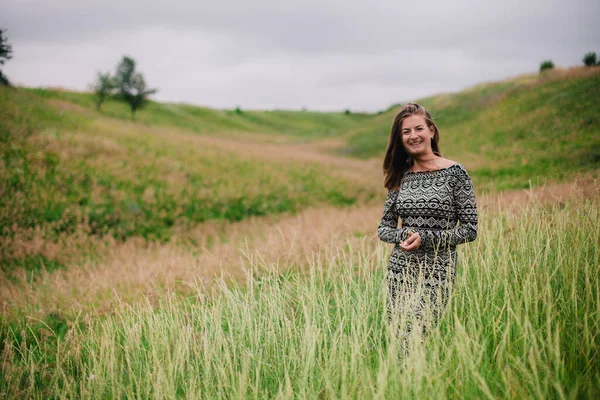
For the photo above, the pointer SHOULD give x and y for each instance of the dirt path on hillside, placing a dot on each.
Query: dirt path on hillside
(133, 269)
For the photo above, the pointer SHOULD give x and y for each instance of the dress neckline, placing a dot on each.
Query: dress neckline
(433, 170)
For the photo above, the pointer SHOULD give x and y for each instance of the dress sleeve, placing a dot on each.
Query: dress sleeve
(466, 212)
(388, 228)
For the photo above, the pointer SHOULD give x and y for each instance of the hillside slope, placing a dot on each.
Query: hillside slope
(65, 165)
(300, 124)
(510, 133)
(68, 170)
(68, 173)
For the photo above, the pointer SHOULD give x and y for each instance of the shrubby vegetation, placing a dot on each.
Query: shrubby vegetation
(5, 55)
(546, 65)
(131, 85)
(102, 87)
(590, 59)
(127, 84)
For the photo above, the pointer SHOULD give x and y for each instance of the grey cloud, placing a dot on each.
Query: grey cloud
(305, 26)
(328, 54)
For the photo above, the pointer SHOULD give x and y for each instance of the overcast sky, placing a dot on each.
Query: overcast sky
(317, 54)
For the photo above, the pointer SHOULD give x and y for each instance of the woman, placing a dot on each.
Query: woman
(434, 198)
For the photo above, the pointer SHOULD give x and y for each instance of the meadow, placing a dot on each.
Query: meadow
(207, 253)
(523, 322)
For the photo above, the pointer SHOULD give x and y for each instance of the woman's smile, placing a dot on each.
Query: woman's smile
(416, 143)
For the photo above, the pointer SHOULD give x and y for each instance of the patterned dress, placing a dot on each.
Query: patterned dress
(440, 205)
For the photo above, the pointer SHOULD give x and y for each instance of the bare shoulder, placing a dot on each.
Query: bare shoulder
(445, 163)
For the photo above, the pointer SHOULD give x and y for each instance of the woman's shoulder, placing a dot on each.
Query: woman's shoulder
(454, 169)
(446, 163)
(458, 172)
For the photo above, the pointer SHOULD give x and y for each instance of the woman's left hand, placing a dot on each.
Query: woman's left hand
(413, 241)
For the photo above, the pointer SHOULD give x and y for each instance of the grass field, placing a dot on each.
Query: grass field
(523, 322)
(113, 232)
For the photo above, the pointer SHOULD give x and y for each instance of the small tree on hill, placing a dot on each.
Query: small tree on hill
(546, 64)
(131, 85)
(5, 55)
(102, 87)
(590, 59)
(139, 94)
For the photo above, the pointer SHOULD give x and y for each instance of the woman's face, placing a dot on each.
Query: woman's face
(416, 135)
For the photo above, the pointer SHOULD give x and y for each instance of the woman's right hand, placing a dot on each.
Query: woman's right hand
(412, 242)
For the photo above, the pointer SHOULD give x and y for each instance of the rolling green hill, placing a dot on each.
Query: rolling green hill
(302, 124)
(63, 165)
(65, 168)
(508, 133)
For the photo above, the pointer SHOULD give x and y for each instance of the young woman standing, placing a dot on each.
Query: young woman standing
(434, 199)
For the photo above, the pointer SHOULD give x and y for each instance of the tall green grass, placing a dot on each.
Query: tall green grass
(523, 322)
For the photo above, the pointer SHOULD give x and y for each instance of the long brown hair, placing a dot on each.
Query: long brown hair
(397, 161)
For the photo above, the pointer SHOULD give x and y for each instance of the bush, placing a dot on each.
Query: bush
(546, 64)
(590, 59)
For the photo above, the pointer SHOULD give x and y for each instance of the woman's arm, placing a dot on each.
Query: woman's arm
(388, 228)
(466, 209)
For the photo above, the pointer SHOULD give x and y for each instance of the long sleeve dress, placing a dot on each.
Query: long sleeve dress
(439, 205)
